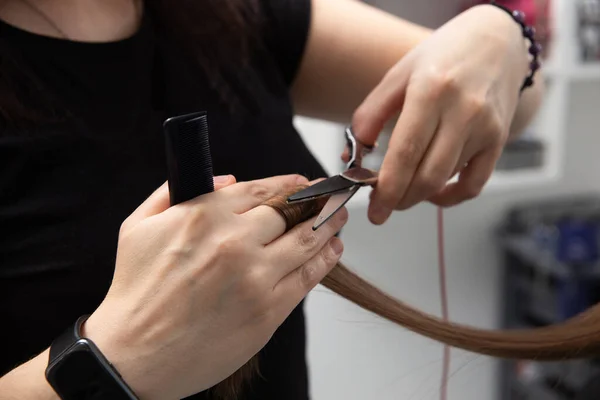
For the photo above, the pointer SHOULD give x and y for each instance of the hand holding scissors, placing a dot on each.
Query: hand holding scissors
(340, 187)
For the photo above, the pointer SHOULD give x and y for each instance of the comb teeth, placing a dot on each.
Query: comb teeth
(189, 162)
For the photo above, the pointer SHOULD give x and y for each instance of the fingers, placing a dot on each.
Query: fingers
(380, 106)
(264, 224)
(160, 201)
(222, 181)
(301, 243)
(456, 141)
(471, 181)
(271, 224)
(436, 168)
(245, 196)
(156, 203)
(296, 285)
(408, 144)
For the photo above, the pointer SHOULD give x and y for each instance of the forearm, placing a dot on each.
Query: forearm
(351, 46)
(28, 381)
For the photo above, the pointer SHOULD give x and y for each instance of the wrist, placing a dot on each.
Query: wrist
(119, 351)
(527, 44)
(494, 18)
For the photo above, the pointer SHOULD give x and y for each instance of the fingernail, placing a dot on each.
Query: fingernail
(337, 246)
(220, 179)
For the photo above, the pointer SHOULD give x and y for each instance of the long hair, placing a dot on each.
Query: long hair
(578, 337)
(216, 35)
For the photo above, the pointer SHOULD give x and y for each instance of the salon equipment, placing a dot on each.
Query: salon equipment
(341, 187)
(189, 162)
(552, 272)
(589, 11)
(589, 29)
(590, 42)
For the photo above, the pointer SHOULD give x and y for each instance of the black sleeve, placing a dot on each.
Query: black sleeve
(286, 25)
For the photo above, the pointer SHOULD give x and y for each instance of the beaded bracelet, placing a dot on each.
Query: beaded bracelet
(529, 33)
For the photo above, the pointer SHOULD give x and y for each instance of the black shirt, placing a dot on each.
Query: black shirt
(66, 188)
(590, 390)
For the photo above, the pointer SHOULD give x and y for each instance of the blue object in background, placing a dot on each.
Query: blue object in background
(577, 249)
(572, 296)
(577, 242)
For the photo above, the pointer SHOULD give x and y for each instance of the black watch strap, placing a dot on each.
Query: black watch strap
(77, 369)
(67, 338)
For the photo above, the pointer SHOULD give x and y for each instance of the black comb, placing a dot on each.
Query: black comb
(189, 163)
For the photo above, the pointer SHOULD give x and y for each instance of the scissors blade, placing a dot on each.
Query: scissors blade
(334, 204)
(328, 186)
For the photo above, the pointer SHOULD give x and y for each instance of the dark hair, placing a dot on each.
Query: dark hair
(217, 35)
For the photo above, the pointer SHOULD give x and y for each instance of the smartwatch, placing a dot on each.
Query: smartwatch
(78, 370)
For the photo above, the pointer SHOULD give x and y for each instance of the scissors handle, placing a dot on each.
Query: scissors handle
(361, 176)
(356, 149)
(340, 187)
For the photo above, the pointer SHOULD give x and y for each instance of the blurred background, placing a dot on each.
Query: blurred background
(524, 253)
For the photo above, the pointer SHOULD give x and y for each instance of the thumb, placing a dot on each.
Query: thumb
(383, 103)
(222, 181)
(159, 201)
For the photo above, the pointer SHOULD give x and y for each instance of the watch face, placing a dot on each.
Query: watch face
(82, 373)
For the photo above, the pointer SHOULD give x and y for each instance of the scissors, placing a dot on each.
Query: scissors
(340, 187)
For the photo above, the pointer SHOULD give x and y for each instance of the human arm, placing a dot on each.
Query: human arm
(198, 289)
(364, 65)
(27, 382)
(350, 47)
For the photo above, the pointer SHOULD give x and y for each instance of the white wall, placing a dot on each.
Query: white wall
(354, 356)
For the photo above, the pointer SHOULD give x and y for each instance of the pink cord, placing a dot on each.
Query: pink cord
(444, 298)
